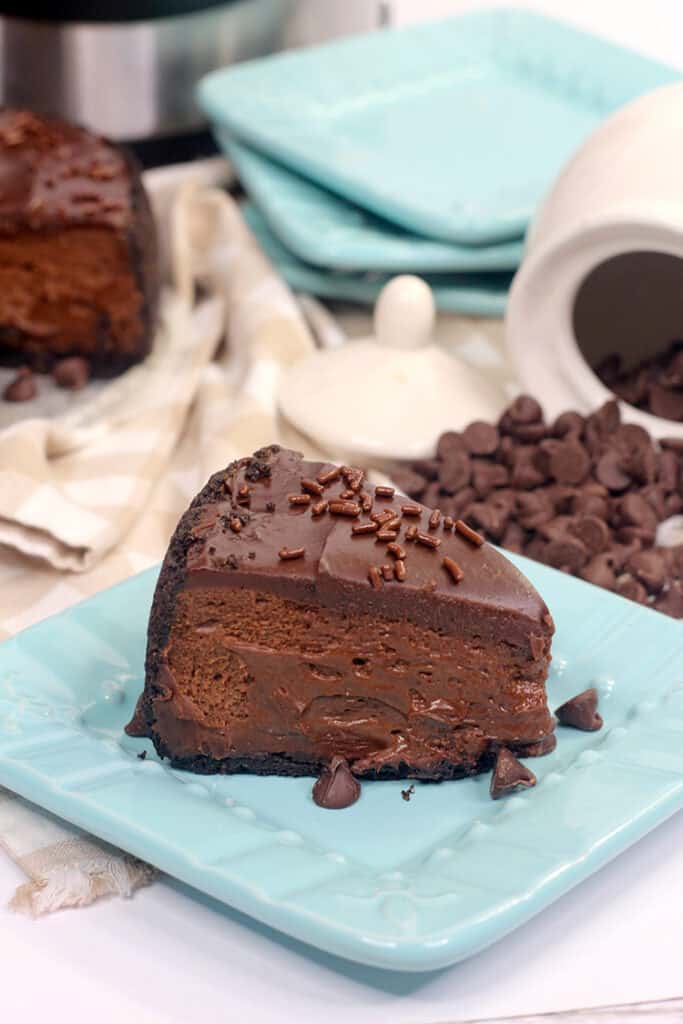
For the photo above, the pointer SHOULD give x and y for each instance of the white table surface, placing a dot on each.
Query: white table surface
(170, 956)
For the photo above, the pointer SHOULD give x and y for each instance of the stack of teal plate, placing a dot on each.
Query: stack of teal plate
(420, 150)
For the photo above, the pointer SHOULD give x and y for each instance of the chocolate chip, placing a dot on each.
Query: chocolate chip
(629, 587)
(606, 419)
(534, 509)
(568, 423)
(587, 504)
(481, 438)
(649, 567)
(513, 538)
(569, 463)
(488, 518)
(609, 472)
(72, 373)
(600, 571)
(449, 443)
(22, 388)
(592, 531)
(336, 788)
(486, 476)
(525, 473)
(635, 510)
(569, 554)
(428, 468)
(671, 600)
(529, 431)
(665, 403)
(455, 472)
(667, 470)
(509, 775)
(408, 481)
(581, 712)
(525, 409)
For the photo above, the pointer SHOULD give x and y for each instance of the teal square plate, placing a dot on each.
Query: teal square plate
(404, 885)
(322, 229)
(472, 294)
(453, 129)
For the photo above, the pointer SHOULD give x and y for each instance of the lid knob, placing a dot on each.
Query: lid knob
(405, 313)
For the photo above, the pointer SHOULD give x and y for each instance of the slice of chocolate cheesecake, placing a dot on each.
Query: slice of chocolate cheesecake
(303, 614)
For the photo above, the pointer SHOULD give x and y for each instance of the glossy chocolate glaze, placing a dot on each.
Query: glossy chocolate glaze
(422, 677)
(93, 289)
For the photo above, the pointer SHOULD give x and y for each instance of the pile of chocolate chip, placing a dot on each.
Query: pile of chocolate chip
(655, 385)
(583, 494)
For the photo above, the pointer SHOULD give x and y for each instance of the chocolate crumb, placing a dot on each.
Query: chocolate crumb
(142, 756)
(509, 775)
(22, 388)
(270, 506)
(235, 525)
(336, 788)
(72, 373)
(581, 712)
(407, 793)
(251, 555)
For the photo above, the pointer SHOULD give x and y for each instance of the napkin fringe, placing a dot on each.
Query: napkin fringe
(77, 885)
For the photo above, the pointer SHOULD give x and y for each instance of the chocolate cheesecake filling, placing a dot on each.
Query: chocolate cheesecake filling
(262, 662)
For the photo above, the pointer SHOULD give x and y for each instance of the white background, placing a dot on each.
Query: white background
(168, 956)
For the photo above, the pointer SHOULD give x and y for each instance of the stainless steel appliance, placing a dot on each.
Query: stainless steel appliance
(127, 68)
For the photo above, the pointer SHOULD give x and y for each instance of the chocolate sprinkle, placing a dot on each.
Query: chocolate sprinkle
(299, 499)
(396, 550)
(361, 529)
(426, 540)
(581, 712)
(509, 775)
(345, 508)
(289, 554)
(411, 533)
(411, 510)
(385, 535)
(381, 491)
(312, 486)
(434, 519)
(319, 507)
(388, 572)
(330, 476)
(400, 570)
(375, 577)
(336, 788)
(468, 533)
(453, 569)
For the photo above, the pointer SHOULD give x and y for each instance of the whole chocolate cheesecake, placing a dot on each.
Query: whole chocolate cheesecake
(78, 264)
(303, 615)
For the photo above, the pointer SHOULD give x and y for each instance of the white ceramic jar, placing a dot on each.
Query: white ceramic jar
(603, 265)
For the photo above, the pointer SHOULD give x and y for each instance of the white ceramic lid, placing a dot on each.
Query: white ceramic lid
(389, 396)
